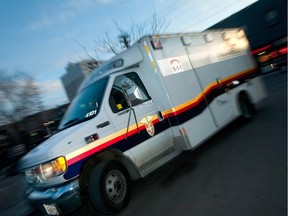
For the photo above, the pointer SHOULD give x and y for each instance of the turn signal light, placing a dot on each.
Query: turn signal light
(91, 138)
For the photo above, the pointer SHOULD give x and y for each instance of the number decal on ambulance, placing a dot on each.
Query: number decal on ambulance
(93, 112)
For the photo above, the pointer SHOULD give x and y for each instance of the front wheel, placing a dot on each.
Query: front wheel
(109, 187)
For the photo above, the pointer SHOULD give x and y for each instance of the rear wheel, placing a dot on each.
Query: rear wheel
(246, 107)
(109, 187)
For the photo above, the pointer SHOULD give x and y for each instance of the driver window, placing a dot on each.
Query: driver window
(128, 86)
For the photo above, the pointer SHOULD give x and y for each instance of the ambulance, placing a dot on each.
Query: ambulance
(166, 94)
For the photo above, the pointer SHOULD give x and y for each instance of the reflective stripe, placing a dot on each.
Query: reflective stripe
(150, 56)
(174, 112)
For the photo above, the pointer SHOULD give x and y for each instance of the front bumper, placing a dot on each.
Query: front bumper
(57, 200)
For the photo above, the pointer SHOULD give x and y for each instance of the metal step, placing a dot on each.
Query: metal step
(158, 161)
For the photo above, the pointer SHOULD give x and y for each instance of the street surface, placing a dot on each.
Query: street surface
(241, 171)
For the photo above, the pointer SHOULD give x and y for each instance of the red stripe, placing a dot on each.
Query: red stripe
(177, 112)
(105, 145)
(142, 127)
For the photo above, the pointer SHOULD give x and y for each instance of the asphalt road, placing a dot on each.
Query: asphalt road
(241, 171)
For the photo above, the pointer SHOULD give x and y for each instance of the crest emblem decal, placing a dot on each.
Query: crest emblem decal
(147, 121)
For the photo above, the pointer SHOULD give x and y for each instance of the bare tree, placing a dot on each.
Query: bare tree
(125, 37)
(19, 97)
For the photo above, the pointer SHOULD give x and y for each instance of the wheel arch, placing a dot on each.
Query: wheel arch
(246, 105)
(108, 155)
(247, 95)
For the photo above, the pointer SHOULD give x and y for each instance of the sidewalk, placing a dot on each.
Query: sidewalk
(12, 200)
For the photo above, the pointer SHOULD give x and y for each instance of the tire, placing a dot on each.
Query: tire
(246, 107)
(109, 187)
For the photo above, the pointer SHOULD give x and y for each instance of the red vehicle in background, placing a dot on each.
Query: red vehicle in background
(272, 56)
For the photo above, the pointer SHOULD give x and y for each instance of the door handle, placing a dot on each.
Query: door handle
(102, 125)
(160, 116)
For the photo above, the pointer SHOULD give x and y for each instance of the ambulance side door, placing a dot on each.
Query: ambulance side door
(144, 133)
(209, 79)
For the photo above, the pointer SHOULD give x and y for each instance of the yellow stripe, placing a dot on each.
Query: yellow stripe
(205, 90)
(234, 75)
(150, 56)
(91, 146)
(153, 64)
(155, 117)
(104, 140)
(147, 48)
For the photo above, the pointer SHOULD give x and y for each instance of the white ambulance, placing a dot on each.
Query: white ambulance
(164, 95)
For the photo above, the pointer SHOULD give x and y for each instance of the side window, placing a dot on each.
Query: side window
(127, 87)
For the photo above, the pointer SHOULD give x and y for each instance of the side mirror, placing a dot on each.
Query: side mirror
(132, 92)
(126, 84)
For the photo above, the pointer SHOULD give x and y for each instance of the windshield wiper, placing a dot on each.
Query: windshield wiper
(71, 122)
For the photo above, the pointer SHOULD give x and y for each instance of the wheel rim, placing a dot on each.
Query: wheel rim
(116, 186)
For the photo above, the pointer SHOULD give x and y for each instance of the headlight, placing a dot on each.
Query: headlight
(47, 170)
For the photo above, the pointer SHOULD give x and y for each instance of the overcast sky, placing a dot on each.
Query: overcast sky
(39, 37)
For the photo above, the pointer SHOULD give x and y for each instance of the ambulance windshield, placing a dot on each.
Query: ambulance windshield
(85, 105)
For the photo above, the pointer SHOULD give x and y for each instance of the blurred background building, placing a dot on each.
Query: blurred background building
(19, 137)
(75, 74)
(265, 24)
(31, 131)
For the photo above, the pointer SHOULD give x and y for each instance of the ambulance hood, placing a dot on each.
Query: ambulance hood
(57, 145)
